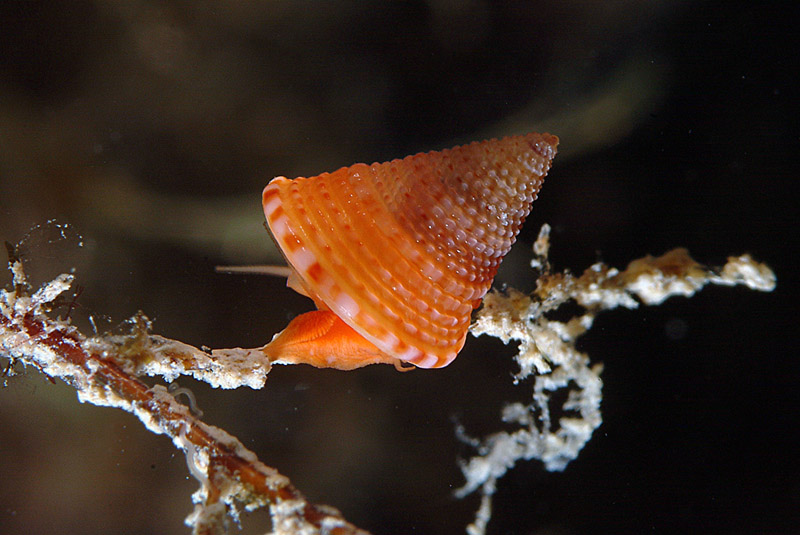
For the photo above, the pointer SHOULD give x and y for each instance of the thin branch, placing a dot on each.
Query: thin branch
(230, 475)
(548, 354)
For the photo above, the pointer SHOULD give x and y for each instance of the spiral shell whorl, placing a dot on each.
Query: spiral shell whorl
(402, 251)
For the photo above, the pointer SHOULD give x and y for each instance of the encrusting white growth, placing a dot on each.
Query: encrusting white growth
(221, 368)
(103, 372)
(547, 352)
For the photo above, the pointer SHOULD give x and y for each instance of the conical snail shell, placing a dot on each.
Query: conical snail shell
(403, 251)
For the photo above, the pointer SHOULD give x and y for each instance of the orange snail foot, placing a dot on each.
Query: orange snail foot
(321, 339)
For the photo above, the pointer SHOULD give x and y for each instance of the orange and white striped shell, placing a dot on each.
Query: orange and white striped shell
(403, 251)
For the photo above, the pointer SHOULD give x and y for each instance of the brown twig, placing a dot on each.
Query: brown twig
(231, 475)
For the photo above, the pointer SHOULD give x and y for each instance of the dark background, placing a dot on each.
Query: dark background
(151, 127)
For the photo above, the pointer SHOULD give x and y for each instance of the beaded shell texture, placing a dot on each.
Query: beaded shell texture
(401, 252)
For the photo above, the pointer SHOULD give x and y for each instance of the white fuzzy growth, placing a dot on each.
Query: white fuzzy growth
(51, 290)
(234, 368)
(744, 270)
(547, 352)
(18, 273)
(169, 359)
(16, 343)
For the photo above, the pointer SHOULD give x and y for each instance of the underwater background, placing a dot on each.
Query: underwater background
(150, 128)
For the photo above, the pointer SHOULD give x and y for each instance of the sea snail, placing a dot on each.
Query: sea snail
(396, 255)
